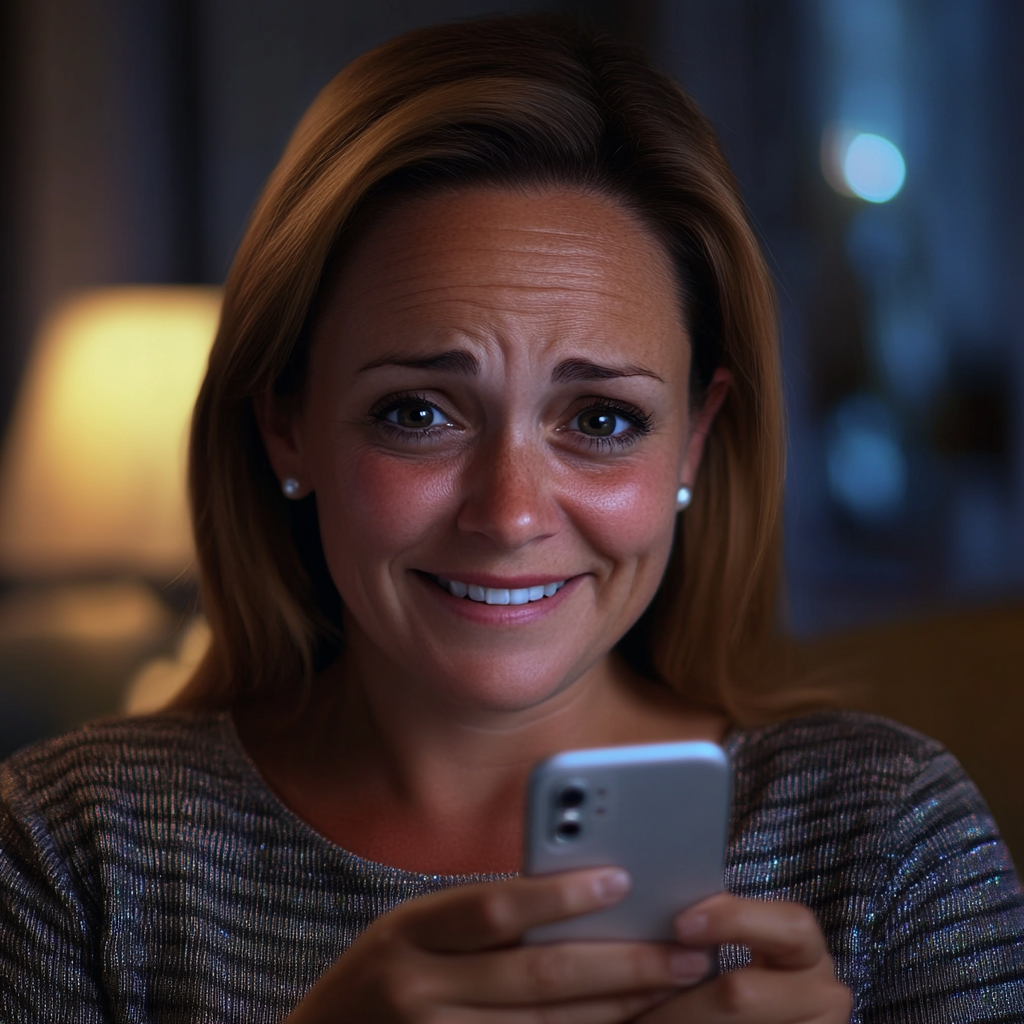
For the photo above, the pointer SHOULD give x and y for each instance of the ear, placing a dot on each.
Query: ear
(701, 419)
(279, 421)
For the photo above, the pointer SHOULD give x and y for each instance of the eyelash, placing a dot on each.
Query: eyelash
(642, 422)
(392, 402)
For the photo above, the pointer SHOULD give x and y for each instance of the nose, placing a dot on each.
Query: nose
(509, 495)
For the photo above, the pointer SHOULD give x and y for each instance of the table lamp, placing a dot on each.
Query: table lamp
(94, 533)
(93, 474)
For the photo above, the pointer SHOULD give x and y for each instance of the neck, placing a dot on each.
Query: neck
(397, 774)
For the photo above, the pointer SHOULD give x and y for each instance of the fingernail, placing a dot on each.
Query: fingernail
(691, 927)
(612, 885)
(688, 966)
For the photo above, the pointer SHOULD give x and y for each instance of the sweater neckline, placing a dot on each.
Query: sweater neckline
(248, 768)
(255, 780)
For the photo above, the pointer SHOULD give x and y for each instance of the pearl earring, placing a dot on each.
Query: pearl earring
(290, 487)
(683, 498)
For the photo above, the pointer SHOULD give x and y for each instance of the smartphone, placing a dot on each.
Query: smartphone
(659, 810)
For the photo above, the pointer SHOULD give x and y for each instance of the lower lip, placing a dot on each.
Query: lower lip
(499, 614)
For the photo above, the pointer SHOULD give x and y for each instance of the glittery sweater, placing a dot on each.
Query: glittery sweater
(147, 873)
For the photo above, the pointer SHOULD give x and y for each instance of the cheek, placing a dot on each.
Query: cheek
(381, 505)
(630, 516)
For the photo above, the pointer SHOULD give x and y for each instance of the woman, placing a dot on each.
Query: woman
(487, 464)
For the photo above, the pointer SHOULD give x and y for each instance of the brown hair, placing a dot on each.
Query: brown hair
(506, 102)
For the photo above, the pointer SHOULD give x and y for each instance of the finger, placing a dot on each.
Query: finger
(565, 971)
(756, 995)
(494, 914)
(780, 934)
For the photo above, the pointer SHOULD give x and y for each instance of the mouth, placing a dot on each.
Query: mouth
(499, 595)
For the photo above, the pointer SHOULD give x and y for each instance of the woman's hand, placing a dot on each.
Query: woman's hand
(453, 958)
(790, 979)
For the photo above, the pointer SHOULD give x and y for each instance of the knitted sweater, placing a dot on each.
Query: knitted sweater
(147, 874)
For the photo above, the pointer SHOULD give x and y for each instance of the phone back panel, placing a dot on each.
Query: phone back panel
(661, 811)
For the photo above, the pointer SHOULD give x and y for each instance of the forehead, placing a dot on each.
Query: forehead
(538, 270)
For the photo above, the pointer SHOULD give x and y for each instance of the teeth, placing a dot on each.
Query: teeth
(500, 595)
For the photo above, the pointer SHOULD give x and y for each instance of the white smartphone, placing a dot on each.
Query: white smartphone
(659, 810)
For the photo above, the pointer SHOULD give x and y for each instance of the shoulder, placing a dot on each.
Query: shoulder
(868, 822)
(879, 830)
(833, 751)
(121, 777)
(834, 733)
(836, 789)
(120, 752)
(859, 800)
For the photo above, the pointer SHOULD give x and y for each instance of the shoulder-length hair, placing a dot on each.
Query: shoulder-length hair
(505, 102)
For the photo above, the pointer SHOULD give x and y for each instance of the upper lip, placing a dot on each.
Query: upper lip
(483, 579)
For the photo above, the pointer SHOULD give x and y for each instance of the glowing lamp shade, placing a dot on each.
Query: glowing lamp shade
(93, 473)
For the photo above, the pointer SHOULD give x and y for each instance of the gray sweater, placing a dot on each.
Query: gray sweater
(148, 874)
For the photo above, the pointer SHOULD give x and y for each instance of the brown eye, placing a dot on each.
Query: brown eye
(415, 415)
(601, 423)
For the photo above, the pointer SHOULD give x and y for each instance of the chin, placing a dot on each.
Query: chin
(499, 687)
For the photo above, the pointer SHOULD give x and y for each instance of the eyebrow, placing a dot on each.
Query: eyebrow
(459, 361)
(571, 370)
(454, 361)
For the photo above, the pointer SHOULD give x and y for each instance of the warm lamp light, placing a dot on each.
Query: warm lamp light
(93, 475)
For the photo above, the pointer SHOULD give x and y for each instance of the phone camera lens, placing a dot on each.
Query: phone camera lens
(572, 796)
(568, 829)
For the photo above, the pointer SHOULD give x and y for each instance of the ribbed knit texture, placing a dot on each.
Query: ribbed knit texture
(147, 874)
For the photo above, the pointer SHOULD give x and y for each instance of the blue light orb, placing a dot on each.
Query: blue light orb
(873, 168)
(867, 466)
(867, 474)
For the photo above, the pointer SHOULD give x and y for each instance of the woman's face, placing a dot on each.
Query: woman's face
(495, 425)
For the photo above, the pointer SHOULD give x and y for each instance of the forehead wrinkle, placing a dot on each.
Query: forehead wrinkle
(434, 301)
(562, 276)
(571, 280)
(569, 267)
(633, 235)
(390, 268)
(542, 231)
(582, 246)
(408, 267)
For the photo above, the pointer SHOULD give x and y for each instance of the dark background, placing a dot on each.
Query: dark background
(136, 134)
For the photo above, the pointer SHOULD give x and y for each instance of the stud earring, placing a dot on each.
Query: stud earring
(290, 487)
(683, 498)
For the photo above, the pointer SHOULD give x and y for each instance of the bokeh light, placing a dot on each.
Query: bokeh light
(867, 469)
(873, 168)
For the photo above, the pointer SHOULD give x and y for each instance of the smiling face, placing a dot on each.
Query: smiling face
(495, 423)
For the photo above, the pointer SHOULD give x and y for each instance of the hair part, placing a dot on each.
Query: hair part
(508, 103)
